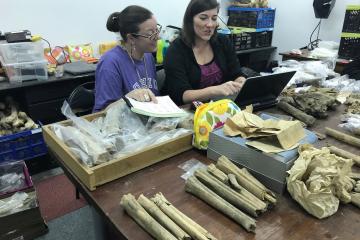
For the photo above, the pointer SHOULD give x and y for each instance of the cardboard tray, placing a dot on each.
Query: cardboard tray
(116, 168)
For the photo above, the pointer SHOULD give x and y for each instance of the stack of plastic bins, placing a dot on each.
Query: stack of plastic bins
(252, 27)
(350, 37)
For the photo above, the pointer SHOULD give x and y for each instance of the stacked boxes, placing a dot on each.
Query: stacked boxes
(23, 61)
(251, 27)
(350, 38)
(20, 221)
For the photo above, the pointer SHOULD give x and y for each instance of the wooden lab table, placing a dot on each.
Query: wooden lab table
(287, 220)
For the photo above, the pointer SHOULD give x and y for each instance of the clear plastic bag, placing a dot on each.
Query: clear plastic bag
(82, 145)
(190, 167)
(88, 128)
(126, 131)
(337, 83)
(11, 181)
(12, 177)
(162, 124)
(316, 68)
(139, 142)
(343, 84)
(10, 206)
(308, 72)
(351, 122)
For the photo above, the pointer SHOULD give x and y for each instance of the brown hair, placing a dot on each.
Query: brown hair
(128, 20)
(195, 7)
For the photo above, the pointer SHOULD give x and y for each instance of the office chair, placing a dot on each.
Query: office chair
(160, 78)
(82, 99)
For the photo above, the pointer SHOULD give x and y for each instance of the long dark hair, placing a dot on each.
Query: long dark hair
(195, 7)
(128, 20)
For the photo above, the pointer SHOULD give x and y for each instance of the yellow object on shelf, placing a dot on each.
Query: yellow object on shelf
(104, 47)
(160, 51)
(35, 38)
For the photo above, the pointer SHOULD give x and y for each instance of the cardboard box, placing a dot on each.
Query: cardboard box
(19, 168)
(270, 183)
(116, 168)
(26, 222)
(270, 169)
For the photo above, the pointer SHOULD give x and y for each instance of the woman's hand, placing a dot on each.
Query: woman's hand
(142, 95)
(240, 80)
(227, 88)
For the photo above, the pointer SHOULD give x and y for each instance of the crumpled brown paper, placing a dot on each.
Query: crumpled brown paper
(272, 135)
(319, 180)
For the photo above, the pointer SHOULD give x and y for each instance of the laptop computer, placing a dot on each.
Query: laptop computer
(262, 91)
(80, 67)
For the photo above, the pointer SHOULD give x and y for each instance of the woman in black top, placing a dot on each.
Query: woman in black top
(200, 64)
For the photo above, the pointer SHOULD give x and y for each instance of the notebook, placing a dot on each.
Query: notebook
(165, 107)
(80, 67)
(262, 91)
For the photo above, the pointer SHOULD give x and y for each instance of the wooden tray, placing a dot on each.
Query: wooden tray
(116, 168)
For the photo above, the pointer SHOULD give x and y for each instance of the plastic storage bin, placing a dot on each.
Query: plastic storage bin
(349, 46)
(23, 145)
(248, 40)
(19, 72)
(22, 52)
(251, 17)
(352, 19)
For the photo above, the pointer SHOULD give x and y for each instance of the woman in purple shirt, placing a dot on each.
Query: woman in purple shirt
(129, 70)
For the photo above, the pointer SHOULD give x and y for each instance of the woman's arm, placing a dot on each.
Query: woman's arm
(205, 94)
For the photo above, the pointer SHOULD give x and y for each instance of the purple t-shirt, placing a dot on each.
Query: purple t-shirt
(116, 76)
(211, 75)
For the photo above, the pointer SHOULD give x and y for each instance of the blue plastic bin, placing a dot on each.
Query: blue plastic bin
(251, 17)
(22, 146)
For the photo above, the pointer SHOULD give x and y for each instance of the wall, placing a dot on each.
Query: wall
(295, 20)
(78, 21)
(81, 21)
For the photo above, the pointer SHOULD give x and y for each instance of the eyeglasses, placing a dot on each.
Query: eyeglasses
(152, 36)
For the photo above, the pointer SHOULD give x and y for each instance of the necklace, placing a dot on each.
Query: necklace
(143, 84)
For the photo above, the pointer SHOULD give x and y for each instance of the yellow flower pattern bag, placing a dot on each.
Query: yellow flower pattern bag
(210, 116)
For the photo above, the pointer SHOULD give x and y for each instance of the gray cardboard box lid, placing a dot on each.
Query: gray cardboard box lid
(271, 165)
(272, 184)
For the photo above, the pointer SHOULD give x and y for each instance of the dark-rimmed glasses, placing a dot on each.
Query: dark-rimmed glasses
(152, 36)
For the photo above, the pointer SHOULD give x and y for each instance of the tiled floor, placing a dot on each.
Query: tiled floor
(77, 225)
